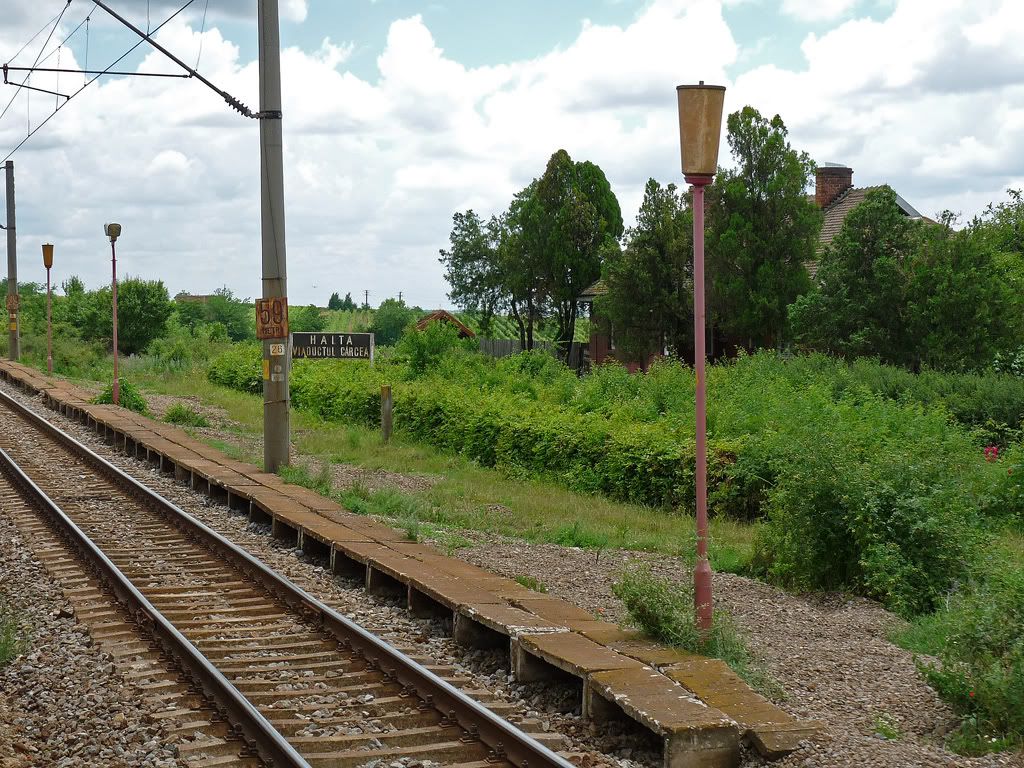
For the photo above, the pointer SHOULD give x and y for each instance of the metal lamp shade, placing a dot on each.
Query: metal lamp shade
(47, 255)
(700, 127)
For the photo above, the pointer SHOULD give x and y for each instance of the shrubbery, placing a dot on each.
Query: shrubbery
(860, 485)
(978, 638)
(239, 368)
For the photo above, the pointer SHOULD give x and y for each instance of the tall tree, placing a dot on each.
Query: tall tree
(308, 319)
(522, 259)
(334, 302)
(572, 216)
(143, 307)
(959, 314)
(390, 321)
(236, 315)
(472, 268)
(650, 282)
(860, 307)
(1002, 228)
(762, 230)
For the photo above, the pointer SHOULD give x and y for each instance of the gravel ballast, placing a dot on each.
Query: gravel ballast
(62, 702)
(828, 652)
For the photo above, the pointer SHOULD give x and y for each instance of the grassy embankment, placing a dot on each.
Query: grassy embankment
(465, 495)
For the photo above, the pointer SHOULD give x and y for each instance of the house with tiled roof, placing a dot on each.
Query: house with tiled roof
(835, 194)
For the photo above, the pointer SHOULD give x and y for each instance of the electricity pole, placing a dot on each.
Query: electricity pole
(14, 342)
(276, 426)
(366, 298)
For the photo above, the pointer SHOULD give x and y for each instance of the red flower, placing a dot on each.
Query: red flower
(971, 694)
(991, 452)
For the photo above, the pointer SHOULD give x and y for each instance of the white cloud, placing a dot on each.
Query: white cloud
(376, 167)
(294, 10)
(927, 99)
(817, 10)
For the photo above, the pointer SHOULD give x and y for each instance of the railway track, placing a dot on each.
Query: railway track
(239, 654)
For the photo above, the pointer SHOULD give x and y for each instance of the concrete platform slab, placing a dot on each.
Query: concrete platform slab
(568, 652)
(696, 735)
(552, 608)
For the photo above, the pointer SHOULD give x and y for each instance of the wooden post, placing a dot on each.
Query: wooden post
(385, 411)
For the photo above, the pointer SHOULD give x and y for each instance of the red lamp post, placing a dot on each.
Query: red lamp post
(48, 262)
(113, 231)
(700, 129)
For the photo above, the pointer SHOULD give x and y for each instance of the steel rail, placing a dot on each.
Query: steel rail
(256, 731)
(504, 739)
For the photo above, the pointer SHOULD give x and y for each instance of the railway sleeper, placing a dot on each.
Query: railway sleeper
(430, 735)
(444, 752)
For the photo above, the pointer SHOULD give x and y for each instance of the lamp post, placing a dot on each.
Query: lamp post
(113, 231)
(700, 129)
(48, 262)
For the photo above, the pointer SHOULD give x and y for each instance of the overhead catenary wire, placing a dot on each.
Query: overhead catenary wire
(89, 82)
(233, 102)
(36, 68)
(55, 22)
(202, 29)
(33, 38)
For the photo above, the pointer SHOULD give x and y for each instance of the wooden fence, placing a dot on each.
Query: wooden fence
(506, 347)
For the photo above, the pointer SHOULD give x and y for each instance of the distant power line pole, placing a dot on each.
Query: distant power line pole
(366, 298)
(14, 342)
(399, 297)
(276, 418)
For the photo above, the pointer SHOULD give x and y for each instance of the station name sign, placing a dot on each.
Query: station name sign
(332, 346)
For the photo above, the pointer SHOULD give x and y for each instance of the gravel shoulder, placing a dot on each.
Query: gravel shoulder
(829, 652)
(62, 703)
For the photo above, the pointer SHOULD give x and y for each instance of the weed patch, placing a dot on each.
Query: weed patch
(664, 611)
(186, 416)
(128, 395)
(532, 582)
(11, 641)
(319, 482)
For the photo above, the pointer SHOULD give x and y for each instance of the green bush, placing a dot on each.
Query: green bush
(423, 350)
(240, 367)
(993, 403)
(128, 395)
(982, 661)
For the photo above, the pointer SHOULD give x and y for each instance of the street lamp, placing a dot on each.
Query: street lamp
(48, 262)
(113, 231)
(700, 129)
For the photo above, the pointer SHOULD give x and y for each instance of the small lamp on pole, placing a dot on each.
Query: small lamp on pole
(113, 231)
(700, 130)
(48, 262)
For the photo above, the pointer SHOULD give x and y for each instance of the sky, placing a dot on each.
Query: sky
(397, 114)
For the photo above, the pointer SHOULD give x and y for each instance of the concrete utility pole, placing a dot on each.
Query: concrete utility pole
(14, 342)
(276, 426)
(366, 298)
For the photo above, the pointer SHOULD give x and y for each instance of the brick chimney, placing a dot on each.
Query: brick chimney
(830, 181)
